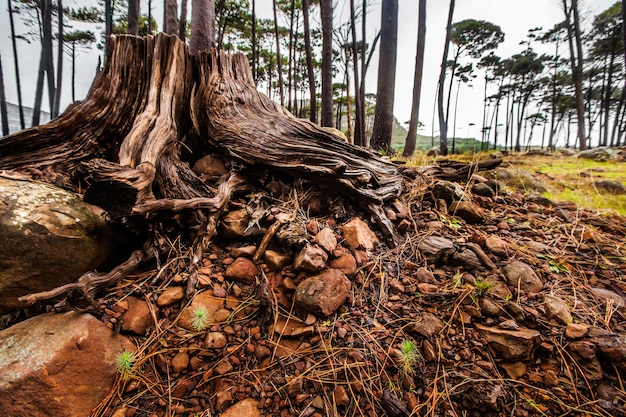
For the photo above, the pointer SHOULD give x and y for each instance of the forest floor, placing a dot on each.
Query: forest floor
(437, 326)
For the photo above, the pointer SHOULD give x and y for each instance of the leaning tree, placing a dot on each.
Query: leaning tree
(153, 111)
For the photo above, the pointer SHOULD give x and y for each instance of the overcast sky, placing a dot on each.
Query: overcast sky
(515, 17)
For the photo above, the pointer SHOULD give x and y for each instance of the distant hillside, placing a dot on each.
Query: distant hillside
(14, 117)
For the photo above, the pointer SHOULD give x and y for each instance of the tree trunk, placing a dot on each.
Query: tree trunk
(154, 101)
(383, 116)
(254, 45)
(133, 17)
(17, 67)
(326, 7)
(576, 61)
(202, 26)
(170, 13)
(4, 116)
(443, 124)
(411, 137)
(279, 60)
(57, 92)
(47, 45)
(182, 22)
(309, 63)
(359, 112)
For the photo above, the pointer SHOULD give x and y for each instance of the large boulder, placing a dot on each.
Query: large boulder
(60, 365)
(49, 238)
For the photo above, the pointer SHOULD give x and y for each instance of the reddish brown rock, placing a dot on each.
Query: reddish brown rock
(467, 211)
(576, 330)
(428, 325)
(234, 223)
(345, 263)
(311, 258)
(244, 408)
(323, 293)
(215, 340)
(242, 270)
(60, 365)
(170, 295)
(512, 345)
(138, 317)
(276, 260)
(557, 309)
(180, 361)
(209, 167)
(523, 277)
(358, 235)
(497, 246)
(209, 304)
(326, 239)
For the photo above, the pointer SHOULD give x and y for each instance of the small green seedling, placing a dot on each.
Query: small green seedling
(482, 286)
(409, 357)
(199, 318)
(124, 362)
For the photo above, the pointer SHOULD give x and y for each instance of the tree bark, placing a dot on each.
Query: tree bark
(383, 116)
(152, 101)
(182, 22)
(17, 67)
(359, 117)
(59, 82)
(202, 26)
(4, 117)
(133, 17)
(170, 13)
(327, 62)
(411, 137)
(279, 60)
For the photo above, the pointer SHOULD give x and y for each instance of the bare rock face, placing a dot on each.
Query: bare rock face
(358, 235)
(60, 365)
(519, 275)
(323, 293)
(49, 238)
(311, 258)
(508, 344)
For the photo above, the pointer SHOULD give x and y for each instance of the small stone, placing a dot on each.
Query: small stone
(435, 248)
(209, 166)
(550, 378)
(519, 275)
(170, 295)
(515, 370)
(512, 345)
(482, 189)
(489, 307)
(326, 239)
(428, 351)
(345, 263)
(358, 235)
(403, 226)
(234, 223)
(323, 293)
(180, 361)
(497, 246)
(223, 367)
(292, 328)
(242, 270)
(341, 396)
(427, 288)
(244, 408)
(219, 292)
(138, 317)
(215, 340)
(557, 309)
(425, 276)
(261, 352)
(576, 331)
(427, 325)
(276, 261)
(248, 251)
(311, 258)
(467, 211)
(449, 191)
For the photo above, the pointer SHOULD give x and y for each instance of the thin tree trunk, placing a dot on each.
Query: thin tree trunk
(150, 16)
(411, 137)
(4, 115)
(576, 60)
(133, 17)
(47, 45)
(57, 93)
(278, 57)
(202, 26)
(456, 106)
(385, 92)
(443, 124)
(348, 104)
(170, 12)
(182, 22)
(291, 58)
(359, 122)
(17, 68)
(254, 45)
(73, 72)
(309, 63)
(326, 7)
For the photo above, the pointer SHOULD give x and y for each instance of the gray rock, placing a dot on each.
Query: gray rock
(483, 190)
(611, 186)
(557, 309)
(435, 248)
(519, 179)
(449, 191)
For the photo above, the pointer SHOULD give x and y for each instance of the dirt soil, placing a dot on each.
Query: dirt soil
(438, 326)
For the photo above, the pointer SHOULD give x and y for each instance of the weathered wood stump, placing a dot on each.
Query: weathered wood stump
(155, 109)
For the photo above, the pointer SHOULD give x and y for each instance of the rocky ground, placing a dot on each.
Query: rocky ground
(493, 303)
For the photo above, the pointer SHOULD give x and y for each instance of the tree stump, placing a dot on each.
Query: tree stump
(155, 109)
